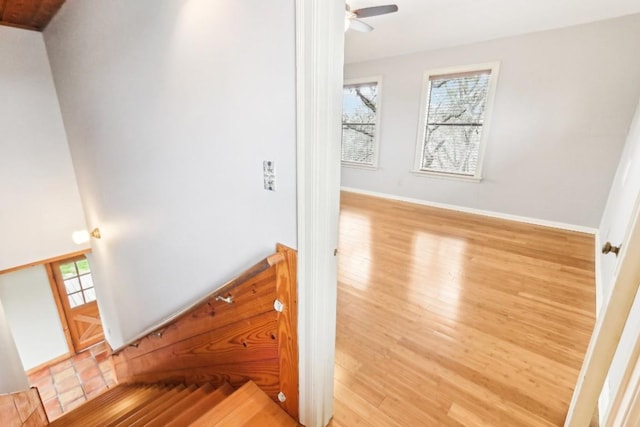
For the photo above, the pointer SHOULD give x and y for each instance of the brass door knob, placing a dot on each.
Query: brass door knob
(610, 248)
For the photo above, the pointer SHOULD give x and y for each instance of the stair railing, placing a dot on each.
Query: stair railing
(245, 330)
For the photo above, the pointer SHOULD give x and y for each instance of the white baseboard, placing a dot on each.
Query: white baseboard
(527, 220)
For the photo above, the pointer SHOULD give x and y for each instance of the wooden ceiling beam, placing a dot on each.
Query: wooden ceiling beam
(20, 11)
(46, 11)
(28, 14)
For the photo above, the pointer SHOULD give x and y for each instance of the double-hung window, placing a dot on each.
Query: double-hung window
(456, 109)
(361, 122)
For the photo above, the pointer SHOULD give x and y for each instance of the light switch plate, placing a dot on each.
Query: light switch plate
(269, 174)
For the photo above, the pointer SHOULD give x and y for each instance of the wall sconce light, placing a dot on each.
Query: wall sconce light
(83, 236)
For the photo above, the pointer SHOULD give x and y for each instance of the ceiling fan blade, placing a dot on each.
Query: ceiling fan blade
(360, 26)
(375, 10)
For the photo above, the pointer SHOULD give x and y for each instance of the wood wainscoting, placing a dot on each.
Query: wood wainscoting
(246, 330)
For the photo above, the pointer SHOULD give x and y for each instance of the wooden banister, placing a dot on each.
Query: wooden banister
(252, 271)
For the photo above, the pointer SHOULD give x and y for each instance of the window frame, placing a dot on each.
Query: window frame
(376, 139)
(82, 290)
(494, 67)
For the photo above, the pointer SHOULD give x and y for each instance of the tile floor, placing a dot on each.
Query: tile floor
(70, 383)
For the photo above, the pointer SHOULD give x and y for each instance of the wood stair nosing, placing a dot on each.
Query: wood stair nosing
(203, 405)
(170, 413)
(130, 417)
(148, 416)
(104, 399)
(118, 408)
(243, 406)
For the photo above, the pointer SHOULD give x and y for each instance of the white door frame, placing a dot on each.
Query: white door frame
(607, 331)
(319, 65)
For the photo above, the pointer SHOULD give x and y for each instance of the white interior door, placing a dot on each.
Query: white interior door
(623, 198)
(614, 228)
(618, 321)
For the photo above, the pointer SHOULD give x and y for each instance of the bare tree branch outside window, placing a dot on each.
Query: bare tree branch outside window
(359, 123)
(454, 122)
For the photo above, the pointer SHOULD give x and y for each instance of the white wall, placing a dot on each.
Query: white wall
(39, 202)
(32, 315)
(12, 375)
(170, 107)
(563, 105)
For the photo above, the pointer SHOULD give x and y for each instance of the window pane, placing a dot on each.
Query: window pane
(76, 299)
(68, 270)
(90, 295)
(83, 266)
(359, 122)
(454, 122)
(87, 281)
(452, 149)
(72, 285)
(357, 143)
(458, 100)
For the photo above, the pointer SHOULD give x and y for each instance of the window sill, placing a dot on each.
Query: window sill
(448, 176)
(359, 166)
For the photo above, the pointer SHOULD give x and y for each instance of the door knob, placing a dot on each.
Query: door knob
(609, 248)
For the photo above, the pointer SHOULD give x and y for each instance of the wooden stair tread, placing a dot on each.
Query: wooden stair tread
(174, 411)
(96, 402)
(112, 409)
(248, 406)
(131, 416)
(176, 406)
(202, 406)
(150, 415)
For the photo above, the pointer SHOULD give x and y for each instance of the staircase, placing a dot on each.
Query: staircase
(242, 335)
(170, 405)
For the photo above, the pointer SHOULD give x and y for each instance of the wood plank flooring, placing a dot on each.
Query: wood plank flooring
(453, 319)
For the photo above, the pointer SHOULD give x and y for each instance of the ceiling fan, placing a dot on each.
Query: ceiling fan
(352, 17)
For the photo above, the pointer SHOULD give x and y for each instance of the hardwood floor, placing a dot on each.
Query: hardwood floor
(451, 319)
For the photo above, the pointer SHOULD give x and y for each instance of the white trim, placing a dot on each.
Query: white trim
(488, 111)
(604, 401)
(447, 176)
(629, 411)
(376, 139)
(527, 220)
(598, 273)
(319, 65)
(627, 391)
(362, 166)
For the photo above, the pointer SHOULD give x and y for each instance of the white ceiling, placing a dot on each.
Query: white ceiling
(431, 24)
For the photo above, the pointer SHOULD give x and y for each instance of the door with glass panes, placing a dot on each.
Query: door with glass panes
(78, 298)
